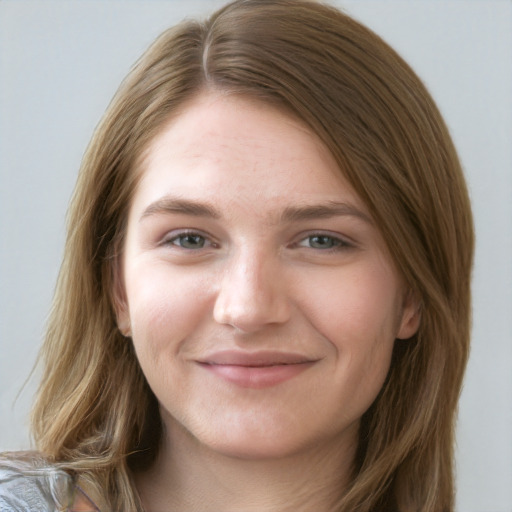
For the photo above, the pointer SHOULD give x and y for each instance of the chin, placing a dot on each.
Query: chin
(263, 440)
(257, 449)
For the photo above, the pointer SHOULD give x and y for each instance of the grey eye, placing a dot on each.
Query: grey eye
(323, 242)
(189, 241)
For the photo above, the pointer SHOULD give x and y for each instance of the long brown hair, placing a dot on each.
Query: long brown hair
(95, 414)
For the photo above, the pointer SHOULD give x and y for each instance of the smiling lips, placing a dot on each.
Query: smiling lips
(256, 370)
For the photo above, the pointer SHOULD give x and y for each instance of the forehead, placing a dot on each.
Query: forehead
(235, 147)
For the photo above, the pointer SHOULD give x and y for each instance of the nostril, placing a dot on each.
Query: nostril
(249, 315)
(252, 293)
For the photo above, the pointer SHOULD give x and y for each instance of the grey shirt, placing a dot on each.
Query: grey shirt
(30, 484)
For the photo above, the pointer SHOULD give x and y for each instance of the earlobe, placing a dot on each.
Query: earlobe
(122, 313)
(119, 301)
(125, 331)
(123, 322)
(411, 316)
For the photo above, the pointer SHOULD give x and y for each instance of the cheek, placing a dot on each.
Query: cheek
(359, 306)
(357, 314)
(164, 305)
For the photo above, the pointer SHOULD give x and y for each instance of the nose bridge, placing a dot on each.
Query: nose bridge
(252, 292)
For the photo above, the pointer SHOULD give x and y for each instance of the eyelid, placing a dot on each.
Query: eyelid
(344, 241)
(172, 235)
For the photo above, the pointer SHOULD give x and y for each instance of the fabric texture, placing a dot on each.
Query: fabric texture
(29, 484)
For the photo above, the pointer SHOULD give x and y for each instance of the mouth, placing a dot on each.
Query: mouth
(256, 370)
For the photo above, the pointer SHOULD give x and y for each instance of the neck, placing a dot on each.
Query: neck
(188, 476)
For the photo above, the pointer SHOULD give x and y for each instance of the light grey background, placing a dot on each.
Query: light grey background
(60, 63)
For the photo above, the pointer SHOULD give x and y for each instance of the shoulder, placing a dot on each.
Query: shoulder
(28, 482)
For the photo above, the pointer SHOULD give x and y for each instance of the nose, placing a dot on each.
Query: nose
(252, 293)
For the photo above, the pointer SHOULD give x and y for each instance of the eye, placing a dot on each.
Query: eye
(188, 241)
(322, 241)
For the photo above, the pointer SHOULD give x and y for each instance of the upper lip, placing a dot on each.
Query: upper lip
(255, 359)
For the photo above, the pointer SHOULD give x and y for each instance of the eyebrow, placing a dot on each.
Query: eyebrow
(176, 205)
(323, 211)
(180, 206)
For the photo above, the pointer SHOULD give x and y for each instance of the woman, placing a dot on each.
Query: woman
(264, 299)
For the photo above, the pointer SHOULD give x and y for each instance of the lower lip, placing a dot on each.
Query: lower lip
(257, 376)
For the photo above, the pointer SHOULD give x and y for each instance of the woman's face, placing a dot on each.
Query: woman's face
(259, 294)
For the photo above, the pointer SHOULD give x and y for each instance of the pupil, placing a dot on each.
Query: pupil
(322, 242)
(192, 241)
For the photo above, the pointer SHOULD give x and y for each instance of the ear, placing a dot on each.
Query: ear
(119, 300)
(411, 316)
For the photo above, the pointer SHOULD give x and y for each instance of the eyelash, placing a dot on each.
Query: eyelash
(336, 243)
(188, 234)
